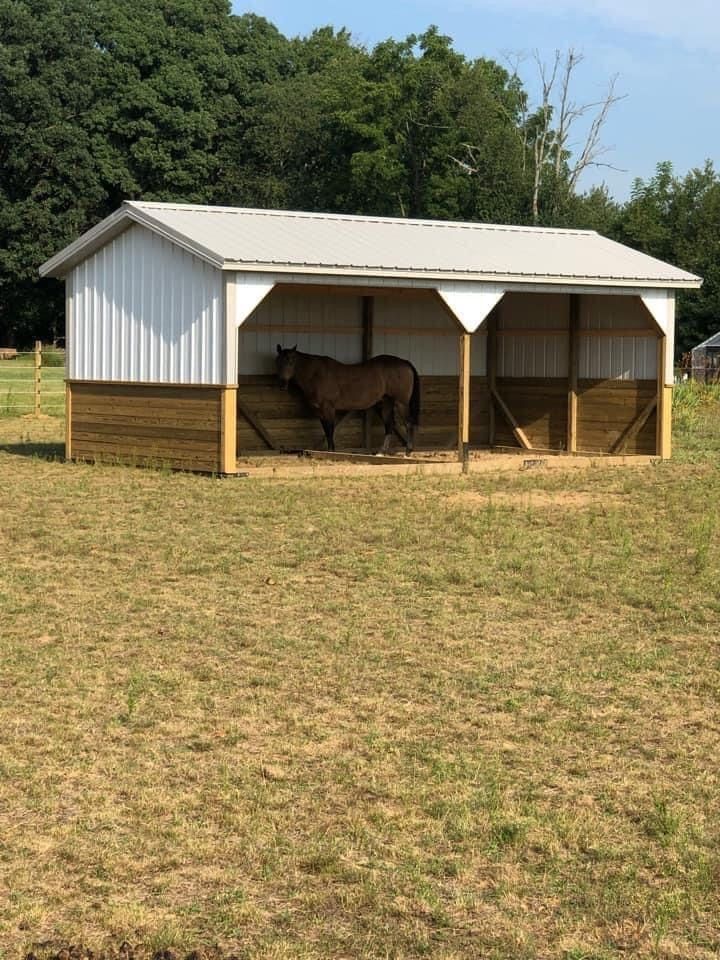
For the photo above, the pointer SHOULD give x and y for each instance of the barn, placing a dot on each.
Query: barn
(528, 338)
(705, 360)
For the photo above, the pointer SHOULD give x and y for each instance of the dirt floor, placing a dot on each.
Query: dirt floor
(319, 464)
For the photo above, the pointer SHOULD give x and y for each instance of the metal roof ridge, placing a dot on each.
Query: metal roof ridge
(356, 218)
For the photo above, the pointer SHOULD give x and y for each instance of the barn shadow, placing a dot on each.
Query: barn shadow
(40, 451)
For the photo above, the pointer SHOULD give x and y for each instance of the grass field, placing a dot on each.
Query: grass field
(374, 717)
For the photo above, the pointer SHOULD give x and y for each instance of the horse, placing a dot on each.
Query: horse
(329, 386)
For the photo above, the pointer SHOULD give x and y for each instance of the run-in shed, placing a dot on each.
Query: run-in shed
(528, 337)
(705, 360)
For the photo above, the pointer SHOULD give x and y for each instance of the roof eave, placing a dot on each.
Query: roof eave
(111, 227)
(685, 283)
(85, 245)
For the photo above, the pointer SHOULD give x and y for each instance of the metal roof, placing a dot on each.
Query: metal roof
(281, 241)
(713, 341)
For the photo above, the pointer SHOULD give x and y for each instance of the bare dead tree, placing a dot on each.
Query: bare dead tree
(543, 141)
(557, 118)
(549, 127)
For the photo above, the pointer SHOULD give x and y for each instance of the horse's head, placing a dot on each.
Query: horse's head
(285, 363)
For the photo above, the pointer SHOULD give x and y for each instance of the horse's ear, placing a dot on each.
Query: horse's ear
(279, 348)
(294, 349)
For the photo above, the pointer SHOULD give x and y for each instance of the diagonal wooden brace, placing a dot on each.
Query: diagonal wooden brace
(520, 436)
(634, 428)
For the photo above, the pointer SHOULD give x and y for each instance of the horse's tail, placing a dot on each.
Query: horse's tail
(414, 404)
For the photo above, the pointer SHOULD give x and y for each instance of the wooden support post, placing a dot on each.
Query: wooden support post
(228, 430)
(663, 431)
(464, 400)
(665, 417)
(491, 369)
(38, 374)
(573, 357)
(68, 420)
(368, 311)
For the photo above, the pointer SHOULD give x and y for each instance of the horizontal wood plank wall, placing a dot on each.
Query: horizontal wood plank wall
(174, 426)
(607, 407)
(539, 404)
(292, 425)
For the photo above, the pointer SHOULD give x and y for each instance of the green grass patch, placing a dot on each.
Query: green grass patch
(403, 717)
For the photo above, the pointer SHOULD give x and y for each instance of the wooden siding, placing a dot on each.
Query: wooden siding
(607, 407)
(605, 410)
(286, 419)
(174, 426)
(539, 405)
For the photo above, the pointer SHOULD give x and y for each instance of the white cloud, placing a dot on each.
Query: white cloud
(694, 23)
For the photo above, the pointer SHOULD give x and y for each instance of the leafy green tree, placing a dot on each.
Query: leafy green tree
(306, 126)
(55, 162)
(445, 140)
(171, 77)
(180, 100)
(593, 210)
(259, 59)
(678, 220)
(101, 101)
(389, 132)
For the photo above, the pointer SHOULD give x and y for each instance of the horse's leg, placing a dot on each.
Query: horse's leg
(327, 419)
(388, 418)
(329, 428)
(395, 429)
(410, 444)
(409, 433)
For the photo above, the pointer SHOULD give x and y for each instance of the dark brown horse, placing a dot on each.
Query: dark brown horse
(329, 386)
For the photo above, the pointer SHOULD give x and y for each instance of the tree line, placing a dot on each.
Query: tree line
(181, 100)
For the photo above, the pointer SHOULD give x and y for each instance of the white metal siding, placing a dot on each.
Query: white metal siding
(616, 358)
(478, 354)
(533, 354)
(418, 330)
(142, 310)
(610, 313)
(284, 318)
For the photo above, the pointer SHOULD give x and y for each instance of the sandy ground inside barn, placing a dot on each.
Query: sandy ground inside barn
(289, 466)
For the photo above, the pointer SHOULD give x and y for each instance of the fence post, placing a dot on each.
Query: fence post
(38, 367)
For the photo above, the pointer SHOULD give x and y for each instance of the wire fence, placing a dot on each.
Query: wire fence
(32, 382)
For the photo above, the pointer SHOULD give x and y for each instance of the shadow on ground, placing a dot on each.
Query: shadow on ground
(42, 451)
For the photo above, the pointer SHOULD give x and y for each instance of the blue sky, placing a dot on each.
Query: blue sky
(667, 55)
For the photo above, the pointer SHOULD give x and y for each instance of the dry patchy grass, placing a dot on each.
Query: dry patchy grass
(376, 717)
